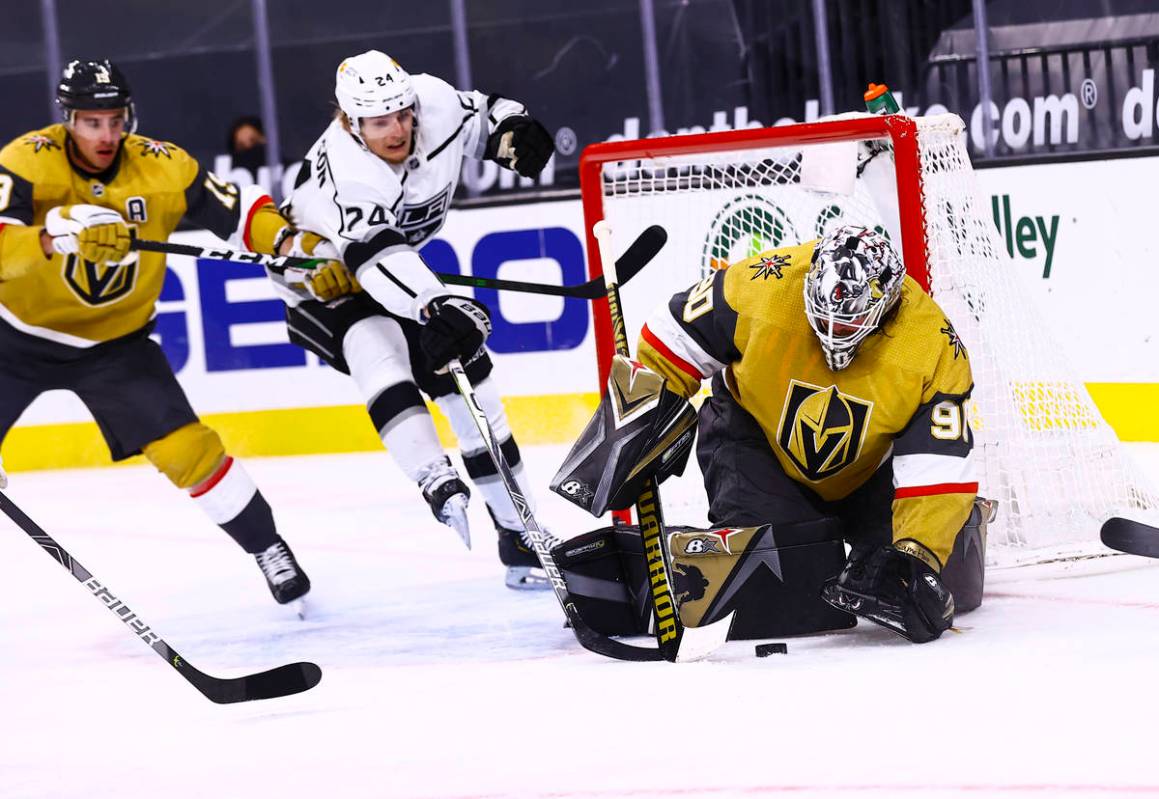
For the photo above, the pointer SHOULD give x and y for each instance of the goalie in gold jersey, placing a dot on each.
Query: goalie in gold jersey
(839, 390)
(77, 307)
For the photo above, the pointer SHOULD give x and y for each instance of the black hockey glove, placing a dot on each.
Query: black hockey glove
(522, 144)
(456, 327)
(895, 589)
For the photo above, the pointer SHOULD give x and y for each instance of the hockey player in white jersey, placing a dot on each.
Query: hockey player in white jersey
(375, 186)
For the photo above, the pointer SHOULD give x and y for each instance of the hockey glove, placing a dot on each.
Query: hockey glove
(896, 589)
(522, 144)
(456, 327)
(96, 234)
(326, 281)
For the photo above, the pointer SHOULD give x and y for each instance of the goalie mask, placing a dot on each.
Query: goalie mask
(371, 84)
(854, 280)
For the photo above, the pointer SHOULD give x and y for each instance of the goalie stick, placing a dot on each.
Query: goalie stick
(674, 640)
(282, 681)
(643, 249)
(591, 290)
(589, 639)
(1134, 538)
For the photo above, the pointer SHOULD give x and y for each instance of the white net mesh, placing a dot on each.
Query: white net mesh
(1041, 447)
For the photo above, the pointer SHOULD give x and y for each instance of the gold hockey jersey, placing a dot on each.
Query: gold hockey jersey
(152, 184)
(903, 395)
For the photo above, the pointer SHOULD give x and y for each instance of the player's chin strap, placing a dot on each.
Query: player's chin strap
(675, 641)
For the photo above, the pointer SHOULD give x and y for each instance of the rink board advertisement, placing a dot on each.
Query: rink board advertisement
(1077, 233)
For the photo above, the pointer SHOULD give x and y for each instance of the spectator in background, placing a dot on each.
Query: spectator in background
(247, 143)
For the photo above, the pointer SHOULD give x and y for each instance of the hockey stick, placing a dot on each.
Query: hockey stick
(591, 290)
(675, 641)
(282, 681)
(589, 639)
(1134, 538)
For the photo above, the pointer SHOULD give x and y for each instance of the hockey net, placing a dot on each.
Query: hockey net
(1041, 447)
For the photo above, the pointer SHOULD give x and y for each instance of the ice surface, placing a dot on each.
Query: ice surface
(440, 682)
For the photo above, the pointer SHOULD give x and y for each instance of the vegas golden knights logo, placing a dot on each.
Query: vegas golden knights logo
(822, 429)
(99, 284)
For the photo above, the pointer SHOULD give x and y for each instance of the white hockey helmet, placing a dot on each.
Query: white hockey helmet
(372, 84)
(854, 279)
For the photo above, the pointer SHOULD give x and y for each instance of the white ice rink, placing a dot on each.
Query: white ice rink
(440, 682)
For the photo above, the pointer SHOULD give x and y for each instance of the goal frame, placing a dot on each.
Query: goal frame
(899, 129)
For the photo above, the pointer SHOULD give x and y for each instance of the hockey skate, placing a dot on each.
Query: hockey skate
(524, 572)
(447, 495)
(287, 582)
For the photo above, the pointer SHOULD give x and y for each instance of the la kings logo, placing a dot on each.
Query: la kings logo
(419, 222)
(821, 429)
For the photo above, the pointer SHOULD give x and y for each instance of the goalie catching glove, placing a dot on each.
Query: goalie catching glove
(640, 430)
(96, 234)
(455, 327)
(897, 587)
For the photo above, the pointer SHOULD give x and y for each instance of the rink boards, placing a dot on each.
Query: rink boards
(1077, 233)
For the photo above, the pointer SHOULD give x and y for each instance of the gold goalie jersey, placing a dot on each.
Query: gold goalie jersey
(152, 184)
(904, 393)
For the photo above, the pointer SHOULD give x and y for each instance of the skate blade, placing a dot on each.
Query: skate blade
(455, 510)
(299, 606)
(523, 578)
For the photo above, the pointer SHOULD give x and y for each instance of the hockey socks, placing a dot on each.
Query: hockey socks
(231, 499)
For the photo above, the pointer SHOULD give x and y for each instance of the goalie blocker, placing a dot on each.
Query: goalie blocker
(771, 576)
(640, 430)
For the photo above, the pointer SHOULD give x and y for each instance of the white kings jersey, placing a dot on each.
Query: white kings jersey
(377, 214)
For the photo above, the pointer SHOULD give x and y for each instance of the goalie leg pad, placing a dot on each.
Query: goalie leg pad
(770, 575)
(965, 570)
(640, 430)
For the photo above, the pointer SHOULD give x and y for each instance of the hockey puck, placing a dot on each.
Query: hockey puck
(764, 650)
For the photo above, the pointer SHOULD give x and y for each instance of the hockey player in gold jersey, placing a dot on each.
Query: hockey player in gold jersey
(839, 390)
(77, 306)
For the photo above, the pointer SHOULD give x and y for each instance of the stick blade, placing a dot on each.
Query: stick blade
(592, 641)
(1134, 538)
(640, 252)
(700, 642)
(293, 678)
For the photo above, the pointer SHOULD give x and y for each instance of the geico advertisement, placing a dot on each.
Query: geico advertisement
(1077, 233)
(224, 331)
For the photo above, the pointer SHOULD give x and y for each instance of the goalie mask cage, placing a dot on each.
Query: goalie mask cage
(1041, 448)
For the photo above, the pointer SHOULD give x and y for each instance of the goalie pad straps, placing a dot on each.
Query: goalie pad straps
(640, 430)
